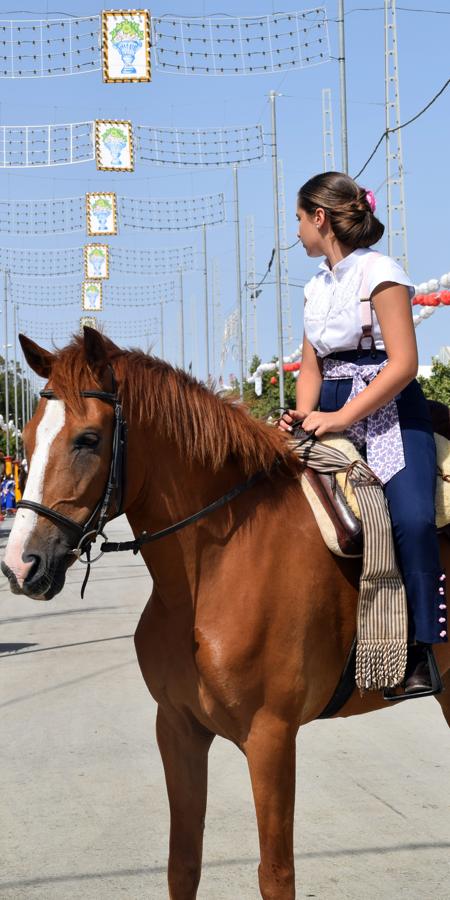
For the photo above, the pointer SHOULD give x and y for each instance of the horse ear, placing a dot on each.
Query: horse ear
(38, 359)
(95, 349)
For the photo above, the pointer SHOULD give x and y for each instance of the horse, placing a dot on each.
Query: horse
(251, 617)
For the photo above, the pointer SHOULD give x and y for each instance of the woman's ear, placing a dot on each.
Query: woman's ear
(320, 217)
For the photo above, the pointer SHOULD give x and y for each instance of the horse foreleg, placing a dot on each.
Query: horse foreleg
(184, 750)
(270, 750)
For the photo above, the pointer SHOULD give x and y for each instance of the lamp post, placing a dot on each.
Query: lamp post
(205, 263)
(5, 338)
(238, 282)
(276, 213)
(182, 320)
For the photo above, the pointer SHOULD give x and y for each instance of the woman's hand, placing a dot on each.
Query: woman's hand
(290, 418)
(321, 423)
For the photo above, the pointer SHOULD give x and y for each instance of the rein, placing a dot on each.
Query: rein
(87, 534)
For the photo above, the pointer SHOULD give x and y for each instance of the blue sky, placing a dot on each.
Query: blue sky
(189, 101)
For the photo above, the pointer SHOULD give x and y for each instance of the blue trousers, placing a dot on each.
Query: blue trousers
(411, 500)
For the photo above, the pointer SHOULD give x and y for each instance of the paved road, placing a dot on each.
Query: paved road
(83, 810)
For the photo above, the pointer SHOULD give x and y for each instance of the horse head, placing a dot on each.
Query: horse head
(68, 446)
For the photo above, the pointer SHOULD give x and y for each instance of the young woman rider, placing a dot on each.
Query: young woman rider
(371, 392)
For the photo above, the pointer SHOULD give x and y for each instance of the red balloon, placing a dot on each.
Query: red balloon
(274, 379)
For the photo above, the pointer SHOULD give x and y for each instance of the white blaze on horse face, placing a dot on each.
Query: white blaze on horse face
(50, 425)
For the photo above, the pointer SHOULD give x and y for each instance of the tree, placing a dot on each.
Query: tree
(269, 401)
(12, 442)
(437, 386)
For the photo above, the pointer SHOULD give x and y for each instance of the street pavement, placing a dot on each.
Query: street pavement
(83, 811)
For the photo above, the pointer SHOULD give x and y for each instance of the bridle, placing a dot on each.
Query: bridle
(87, 534)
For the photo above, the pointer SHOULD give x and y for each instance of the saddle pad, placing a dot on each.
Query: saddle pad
(442, 500)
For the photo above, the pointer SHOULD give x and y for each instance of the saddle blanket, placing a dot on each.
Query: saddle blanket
(341, 443)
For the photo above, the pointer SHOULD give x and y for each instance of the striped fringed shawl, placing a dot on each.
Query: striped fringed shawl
(382, 620)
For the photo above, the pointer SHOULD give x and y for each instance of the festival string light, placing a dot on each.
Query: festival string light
(51, 295)
(43, 48)
(218, 45)
(68, 215)
(153, 262)
(25, 146)
(31, 146)
(226, 45)
(171, 215)
(63, 331)
(41, 263)
(37, 217)
(69, 261)
(183, 147)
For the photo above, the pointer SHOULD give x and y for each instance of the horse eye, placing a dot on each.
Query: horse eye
(88, 439)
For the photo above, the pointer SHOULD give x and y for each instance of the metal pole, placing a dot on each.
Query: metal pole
(205, 261)
(16, 414)
(276, 211)
(342, 86)
(182, 319)
(5, 334)
(161, 327)
(238, 282)
(28, 395)
(194, 345)
(22, 385)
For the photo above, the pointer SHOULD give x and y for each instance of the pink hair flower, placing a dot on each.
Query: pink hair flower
(371, 199)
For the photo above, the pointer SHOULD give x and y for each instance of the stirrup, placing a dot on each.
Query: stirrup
(436, 684)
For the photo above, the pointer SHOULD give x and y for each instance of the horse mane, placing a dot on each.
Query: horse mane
(209, 428)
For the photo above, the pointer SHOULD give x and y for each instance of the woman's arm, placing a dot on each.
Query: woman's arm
(307, 390)
(393, 308)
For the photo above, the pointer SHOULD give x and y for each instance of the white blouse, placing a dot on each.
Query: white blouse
(332, 316)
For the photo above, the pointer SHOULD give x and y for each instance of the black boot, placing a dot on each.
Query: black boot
(417, 676)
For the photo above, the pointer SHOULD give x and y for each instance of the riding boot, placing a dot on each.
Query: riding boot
(417, 676)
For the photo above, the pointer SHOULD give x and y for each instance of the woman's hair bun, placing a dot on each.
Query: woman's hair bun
(347, 206)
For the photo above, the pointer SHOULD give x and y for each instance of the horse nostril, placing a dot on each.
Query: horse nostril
(34, 568)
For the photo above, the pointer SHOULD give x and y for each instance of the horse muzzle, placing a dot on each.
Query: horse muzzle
(42, 581)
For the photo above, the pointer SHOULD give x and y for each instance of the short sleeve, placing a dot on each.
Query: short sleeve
(387, 269)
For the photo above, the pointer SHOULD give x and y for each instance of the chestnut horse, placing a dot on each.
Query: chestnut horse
(251, 618)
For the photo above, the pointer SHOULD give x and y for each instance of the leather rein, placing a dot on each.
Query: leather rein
(87, 534)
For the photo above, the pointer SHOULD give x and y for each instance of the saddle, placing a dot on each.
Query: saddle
(340, 527)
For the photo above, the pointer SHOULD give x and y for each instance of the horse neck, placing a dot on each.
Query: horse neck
(164, 488)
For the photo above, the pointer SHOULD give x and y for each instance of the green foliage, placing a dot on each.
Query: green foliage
(97, 251)
(102, 203)
(117, 134)
(437, 386)
(269, 402)
(11, 403)
(12, 444)
(126, 30)
(256, 361)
